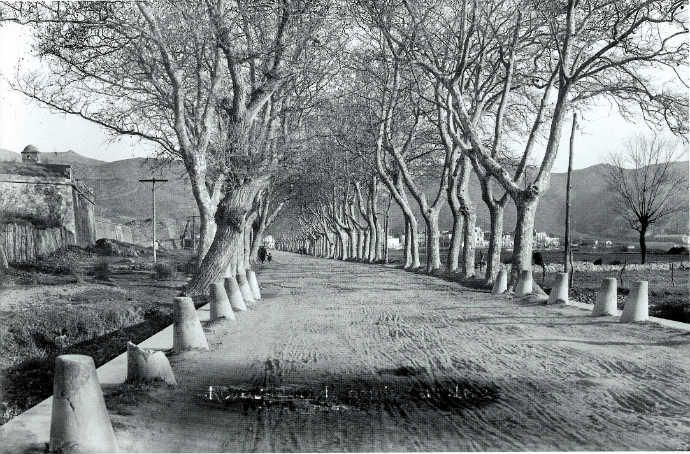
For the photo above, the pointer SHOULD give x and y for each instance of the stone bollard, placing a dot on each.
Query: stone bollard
(79, 421)
(524, 283)
(187, 331)
(636, 307)
(501, 282)
(220, 304)
(244, 288)
(607, 298)
(559, 292)
(235, 295)
(253, 284)
(148, 365)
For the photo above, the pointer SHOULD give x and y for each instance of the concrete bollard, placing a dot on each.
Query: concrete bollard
(244, 288)
(220, 304)
(524, 283)
(501, 282)
(234, 294)
(559, 292)
(148, 365)
(79, 421)
(637, 304)
(253, 284)
(187, 331)
(607, 298)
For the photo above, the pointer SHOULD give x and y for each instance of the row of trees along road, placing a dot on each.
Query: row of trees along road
(338, 109)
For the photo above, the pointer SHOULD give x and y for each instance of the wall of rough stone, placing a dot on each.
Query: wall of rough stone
(46, 204)
(26, 243)
(84, 217)
(113, 231)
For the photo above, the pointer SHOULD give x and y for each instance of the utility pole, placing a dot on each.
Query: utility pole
(153, 182)
(568, 254)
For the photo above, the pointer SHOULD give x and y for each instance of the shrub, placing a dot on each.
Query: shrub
(678, 250)
(598, 261)
(162, 271)
(102, 270)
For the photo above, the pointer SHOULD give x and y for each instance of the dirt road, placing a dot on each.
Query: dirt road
(415, 363)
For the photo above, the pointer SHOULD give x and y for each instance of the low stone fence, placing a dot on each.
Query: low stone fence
(589, 266)
(113, 231)
(25, 243)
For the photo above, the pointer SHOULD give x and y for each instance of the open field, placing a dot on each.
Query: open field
(58, 306)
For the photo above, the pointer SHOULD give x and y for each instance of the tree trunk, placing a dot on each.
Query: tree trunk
(493, 259)
(524, 235)
(344, 247)
(453, 259)
(433, 262)
(3, 260)
(643, 244)
(414, 247)
(468, 250)
(230, 217)
(207, 231)
(408, 245)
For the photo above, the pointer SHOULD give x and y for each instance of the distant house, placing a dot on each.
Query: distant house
(394, 243)
(269, 242)
(508, 241)
(543, 240)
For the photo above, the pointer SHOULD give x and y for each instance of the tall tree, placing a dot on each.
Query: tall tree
(646, 184)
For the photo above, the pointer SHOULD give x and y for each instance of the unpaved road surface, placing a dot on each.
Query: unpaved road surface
(441, 367)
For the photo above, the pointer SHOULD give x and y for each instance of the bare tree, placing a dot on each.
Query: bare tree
(646, 184)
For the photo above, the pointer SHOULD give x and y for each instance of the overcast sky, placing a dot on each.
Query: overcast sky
(23, 121)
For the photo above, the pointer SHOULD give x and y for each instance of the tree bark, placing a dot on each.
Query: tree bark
(455, 249)
(524, 228)
(643, 243)
(432, 241)
(468, 249)
(231, 217)
(493, 259)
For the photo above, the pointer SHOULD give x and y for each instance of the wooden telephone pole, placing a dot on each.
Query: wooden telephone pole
(153, 182)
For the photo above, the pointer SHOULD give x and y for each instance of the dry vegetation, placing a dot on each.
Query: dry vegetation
(78, 301)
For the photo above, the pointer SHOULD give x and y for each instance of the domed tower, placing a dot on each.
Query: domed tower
(30, 154)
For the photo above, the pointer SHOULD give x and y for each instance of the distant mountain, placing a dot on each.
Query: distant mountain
(593, 213)
(119, 194)
(121, 197)
(7, 155)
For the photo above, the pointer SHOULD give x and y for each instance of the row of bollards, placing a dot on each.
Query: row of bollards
(79, 420)
(636, 307)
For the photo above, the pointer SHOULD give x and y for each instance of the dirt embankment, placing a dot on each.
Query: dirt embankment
(76, 302)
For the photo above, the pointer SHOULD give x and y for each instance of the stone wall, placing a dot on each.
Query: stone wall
(26, 243)
(84, 218)
(46, 204)
(113, 231)
(45, 196)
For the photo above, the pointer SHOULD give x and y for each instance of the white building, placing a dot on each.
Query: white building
(269, 242)
(543, 240)
(394, 243)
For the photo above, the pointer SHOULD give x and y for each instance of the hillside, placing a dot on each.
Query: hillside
(120, 196)
(592, 208)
